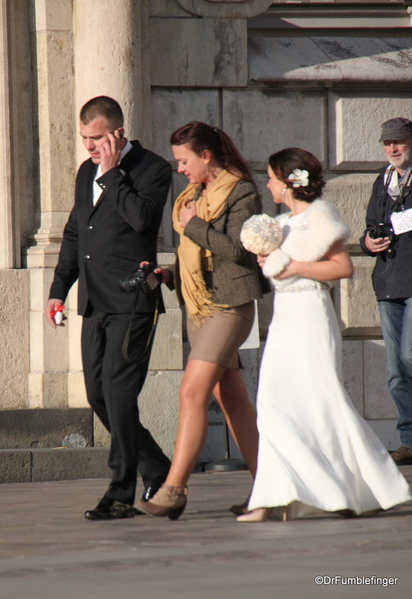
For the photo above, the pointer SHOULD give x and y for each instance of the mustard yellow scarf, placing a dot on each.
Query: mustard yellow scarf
(198, 300)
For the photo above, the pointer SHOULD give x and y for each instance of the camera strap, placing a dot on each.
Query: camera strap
(146, 351)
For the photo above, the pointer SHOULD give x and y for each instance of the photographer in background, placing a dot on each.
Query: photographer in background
(388, 237)
(119, 198)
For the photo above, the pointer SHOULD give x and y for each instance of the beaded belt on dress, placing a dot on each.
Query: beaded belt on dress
(306, 287)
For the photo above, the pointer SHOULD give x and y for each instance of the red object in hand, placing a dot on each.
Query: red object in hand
(57, 314)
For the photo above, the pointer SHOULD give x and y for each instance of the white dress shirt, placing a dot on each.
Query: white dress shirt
(97, 190)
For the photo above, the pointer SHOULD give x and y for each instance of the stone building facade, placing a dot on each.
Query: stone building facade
(320, 75)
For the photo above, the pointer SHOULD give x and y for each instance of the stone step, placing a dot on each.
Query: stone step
(61, 463)
(40, 428)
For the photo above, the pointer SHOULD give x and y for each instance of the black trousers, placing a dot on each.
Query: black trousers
(113, 386)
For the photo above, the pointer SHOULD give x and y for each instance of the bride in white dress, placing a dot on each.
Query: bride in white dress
(314, 448)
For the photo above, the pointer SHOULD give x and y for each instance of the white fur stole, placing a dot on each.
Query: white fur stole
(318, 230)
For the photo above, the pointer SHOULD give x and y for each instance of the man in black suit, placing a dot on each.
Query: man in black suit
(119, 198)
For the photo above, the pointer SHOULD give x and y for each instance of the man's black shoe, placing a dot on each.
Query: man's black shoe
(110, 509)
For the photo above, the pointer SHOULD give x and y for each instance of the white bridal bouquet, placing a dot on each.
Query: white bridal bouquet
(261, 234)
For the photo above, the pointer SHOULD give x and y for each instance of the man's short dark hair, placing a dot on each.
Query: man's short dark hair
(102, 106)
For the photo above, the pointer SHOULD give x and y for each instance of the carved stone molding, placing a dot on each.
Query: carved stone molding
(224, 9)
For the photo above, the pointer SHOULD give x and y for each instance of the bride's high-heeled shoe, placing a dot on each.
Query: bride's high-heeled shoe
(168, 501)
(262, 514)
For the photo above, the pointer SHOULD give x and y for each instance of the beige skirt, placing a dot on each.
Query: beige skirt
(218, 339)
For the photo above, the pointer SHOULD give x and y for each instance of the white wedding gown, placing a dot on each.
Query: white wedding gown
(314, 447)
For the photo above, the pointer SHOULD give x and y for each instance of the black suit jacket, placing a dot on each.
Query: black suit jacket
(104, 243)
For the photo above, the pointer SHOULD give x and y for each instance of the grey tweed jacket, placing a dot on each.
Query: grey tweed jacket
(236, 278)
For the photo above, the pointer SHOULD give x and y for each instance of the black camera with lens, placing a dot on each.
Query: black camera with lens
(144, 279)
(384, 230)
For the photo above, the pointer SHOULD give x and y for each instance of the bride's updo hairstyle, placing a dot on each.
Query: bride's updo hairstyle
(199, 136)
(286, 161)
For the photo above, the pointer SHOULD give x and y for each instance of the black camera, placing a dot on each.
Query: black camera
(384, 230)
(144, 279)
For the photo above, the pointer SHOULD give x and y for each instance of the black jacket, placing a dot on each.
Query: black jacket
(104, 243)
(391, 277)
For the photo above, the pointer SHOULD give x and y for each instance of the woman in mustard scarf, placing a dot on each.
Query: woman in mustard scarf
(218, 281)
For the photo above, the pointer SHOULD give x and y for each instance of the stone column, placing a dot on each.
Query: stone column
(112, 58)
(9, 254)
(52, 56)
(52, 51)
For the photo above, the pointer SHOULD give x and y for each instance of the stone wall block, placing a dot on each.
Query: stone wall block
(159, 407)
(355, 120)
(35, 389)
(178, 56)
(48, 346)
(74, 326)
(45, 252)
(69, 464)
(378, 403)
(100, 433)
(167, 8)
(45, 428)
(229, 9)
(21, 122)
(376, 59)
(289, 59)
(167, 259)
(170, 298)
(47, 390)
(350, 195)
(355, 300)
(52, 15)
(55, 391)
(74, 329)
(40, 281)
(261, 179)
(251, 363)
(265, 310)
(179, 183)
(330, 59)
(165, 238)
(76, 390)
(14, 338)
(352, 367)
(15, 466)
(263, 122)
(9, 208)
(387, 432)
(56, 123)
(172, 109)
(167, 351)
(214, 447)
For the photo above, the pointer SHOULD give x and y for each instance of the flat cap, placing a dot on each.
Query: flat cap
(396, 129)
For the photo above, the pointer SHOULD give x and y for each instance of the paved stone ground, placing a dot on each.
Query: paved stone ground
(48, 551)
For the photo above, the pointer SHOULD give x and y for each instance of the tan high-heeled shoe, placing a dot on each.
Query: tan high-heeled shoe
(262, 514)
(168, 501)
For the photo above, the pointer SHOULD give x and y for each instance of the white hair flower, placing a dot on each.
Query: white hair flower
(299, 178)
